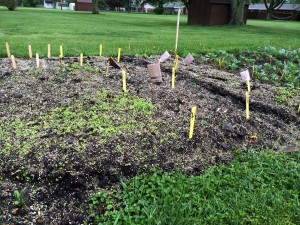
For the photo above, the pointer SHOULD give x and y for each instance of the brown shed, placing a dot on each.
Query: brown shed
(83, 5)
(211, 12)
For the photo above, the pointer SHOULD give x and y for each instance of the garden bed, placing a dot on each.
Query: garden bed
(68, 131)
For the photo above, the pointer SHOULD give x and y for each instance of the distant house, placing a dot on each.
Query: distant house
(146, 7)
(83, 5)
(173, 7)
(285, 12)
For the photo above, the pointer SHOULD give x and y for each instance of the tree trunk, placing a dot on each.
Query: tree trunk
(95, 9)
(237, 12)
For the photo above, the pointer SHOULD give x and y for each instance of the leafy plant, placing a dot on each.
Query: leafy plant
(19, 197)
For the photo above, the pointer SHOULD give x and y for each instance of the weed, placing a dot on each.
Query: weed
(19, 198)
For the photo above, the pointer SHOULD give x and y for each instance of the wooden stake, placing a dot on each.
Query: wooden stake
(100, 50)
(124, 80)
(192, 123)
(247, 106)
(173, 77)
(37, 61)
(49, 51)
(61, 51)
(7, 50)
(81, 59)
(13, 62)
(119, 54)
(177, 31)
(30, 51)
(176, 62)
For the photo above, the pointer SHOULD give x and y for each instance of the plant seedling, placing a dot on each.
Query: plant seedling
(19, 198)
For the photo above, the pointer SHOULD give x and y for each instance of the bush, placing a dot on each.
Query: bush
(10, 4)
(30, 3)
(159, 11)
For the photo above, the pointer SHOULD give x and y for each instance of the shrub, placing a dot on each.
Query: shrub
(30, 3)
(10, 4)
(159, 11)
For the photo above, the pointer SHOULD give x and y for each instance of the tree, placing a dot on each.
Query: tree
(237, 12)
(158, 3)
(186, 3)
(271, 5)
(10, 4)
(95, 8)
(113, 4)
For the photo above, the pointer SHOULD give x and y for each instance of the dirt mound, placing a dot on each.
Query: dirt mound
(62, 169)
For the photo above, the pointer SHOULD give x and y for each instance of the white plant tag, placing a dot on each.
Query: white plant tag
(164, 57)
(188, 59)
(245, 75)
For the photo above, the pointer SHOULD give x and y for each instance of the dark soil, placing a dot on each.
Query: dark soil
(60, 179)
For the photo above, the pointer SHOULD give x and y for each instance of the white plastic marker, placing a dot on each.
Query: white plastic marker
(246, 78)
(192, 123)
(30, 51)
(164, 57)
(7, 50)
(49, 51)
(100, 50)
(188, 59)
(81, 58)
(124, 80)
(61, 52)
(13, 62)
(119, 54)
(173, 77)
(37, 61)
(247, 106)
(177, 31)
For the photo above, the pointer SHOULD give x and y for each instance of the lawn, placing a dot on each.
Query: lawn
(136, 34)
(75, 149)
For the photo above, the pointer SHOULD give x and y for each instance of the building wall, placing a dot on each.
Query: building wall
(81, 6)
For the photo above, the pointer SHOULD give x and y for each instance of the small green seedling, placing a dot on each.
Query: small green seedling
(19, 198)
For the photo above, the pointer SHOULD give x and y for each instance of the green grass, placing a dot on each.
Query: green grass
(105, 116)
(142, 34)
(256, 188)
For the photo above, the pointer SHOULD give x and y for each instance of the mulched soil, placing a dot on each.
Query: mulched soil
(62, 178)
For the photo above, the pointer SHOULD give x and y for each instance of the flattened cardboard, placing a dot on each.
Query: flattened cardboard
(113, 63)
(164, 57)
(188, 60)
(154, 73)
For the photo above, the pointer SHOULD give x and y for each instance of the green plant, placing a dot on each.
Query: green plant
(284, 94)
(247, 191)
(10, 4)
(19, 200)
(158, 11)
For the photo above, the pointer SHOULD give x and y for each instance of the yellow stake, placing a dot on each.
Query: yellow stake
(248, 85)
(299, 108)
(81, 57)
(37, 61)
(124, 80)
(49, 51)
(173, 77)
(176, 62)
(13, 62)
(192, 123)
(61, 51)
(119, 54)
(247, 106)
(30, 51)
(100, 50)
(7, 50)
